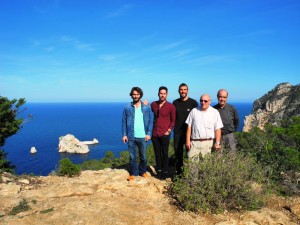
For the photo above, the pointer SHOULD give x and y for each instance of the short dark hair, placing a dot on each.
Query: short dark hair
(138, 90)
(162, 88)
(183, 85)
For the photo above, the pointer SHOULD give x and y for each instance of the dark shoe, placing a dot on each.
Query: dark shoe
(158, 174)
(163, 175)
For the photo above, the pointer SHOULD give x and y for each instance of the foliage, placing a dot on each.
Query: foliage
(9, 123)
(22, 207)
(94, 164)
(110, 161)
(67, 168)
(219, 182)
(5, 165)
(47, 211)
(277, 149)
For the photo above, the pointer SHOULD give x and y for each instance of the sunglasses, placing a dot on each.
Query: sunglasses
(204, 100)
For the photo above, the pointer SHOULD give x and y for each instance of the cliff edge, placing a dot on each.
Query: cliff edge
(106, 197)
(281, 102)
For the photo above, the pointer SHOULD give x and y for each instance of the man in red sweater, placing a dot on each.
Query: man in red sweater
(164, 121)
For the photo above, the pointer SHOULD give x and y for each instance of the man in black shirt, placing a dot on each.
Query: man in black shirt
(183, 106)
(230, 121)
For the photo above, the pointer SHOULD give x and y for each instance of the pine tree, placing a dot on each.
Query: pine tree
(9, 125)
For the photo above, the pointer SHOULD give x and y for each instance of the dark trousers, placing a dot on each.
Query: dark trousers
(161, 151)
(179, 143)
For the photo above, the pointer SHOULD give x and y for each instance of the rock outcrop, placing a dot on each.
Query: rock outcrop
(106, 197)
(93, 142)
(33, 150)
(281, 102)
(71, 144)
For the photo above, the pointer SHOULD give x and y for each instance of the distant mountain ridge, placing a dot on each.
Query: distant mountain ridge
(281, 102)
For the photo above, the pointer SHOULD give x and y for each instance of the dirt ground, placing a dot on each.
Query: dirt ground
(106, 197)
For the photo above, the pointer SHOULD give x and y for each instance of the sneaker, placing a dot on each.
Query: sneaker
(145, 175)
(130, 178)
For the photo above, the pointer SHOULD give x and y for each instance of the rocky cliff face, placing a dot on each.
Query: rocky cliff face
(281, 102)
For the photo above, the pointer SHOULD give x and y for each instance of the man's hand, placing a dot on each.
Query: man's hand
(168, 132)
(188, 145)
(147, 138)
(217, 146)
(145, 102)
(125, 139)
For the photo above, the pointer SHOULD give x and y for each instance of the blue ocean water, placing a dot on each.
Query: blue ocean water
(84, 120)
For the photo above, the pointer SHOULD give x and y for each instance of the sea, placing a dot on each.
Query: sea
(45, 122)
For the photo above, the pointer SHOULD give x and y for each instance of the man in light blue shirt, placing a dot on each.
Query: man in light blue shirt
(137, 124)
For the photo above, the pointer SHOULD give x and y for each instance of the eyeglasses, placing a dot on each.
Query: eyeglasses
(204, 100)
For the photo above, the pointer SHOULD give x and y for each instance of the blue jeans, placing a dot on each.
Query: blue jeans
(141, 144)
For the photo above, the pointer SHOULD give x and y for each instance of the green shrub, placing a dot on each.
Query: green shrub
(277, 149)
(47, 211)
(110, 161)
(67, 168)
(109, 157)
(122, 161)
(22, 207)
(5, 165)
(219, 182)
(94, 165)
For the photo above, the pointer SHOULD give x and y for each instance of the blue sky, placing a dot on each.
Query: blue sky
(96, 50)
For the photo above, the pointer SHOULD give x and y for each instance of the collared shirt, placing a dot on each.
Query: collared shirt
(230, 118)
(204, 123)
(164, 118)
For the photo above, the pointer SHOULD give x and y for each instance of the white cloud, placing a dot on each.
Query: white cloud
(119, 12)
(50, 44)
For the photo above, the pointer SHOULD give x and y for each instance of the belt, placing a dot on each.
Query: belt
(202, 139)
(224, 133)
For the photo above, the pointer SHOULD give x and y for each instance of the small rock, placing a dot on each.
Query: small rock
(24, 181)
(33, 150)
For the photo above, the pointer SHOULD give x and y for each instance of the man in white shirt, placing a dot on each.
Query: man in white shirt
(204, 125)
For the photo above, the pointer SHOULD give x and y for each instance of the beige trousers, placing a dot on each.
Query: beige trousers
(200, 147)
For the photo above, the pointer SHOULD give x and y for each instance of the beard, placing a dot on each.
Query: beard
(183, 95)
(135, 100)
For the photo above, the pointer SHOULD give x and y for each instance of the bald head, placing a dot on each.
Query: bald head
(205, 101)
(222, 97)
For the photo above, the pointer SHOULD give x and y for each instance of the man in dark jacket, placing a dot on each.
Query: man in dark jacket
(230, 121)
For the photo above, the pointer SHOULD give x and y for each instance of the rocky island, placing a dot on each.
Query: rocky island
(71, 144)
